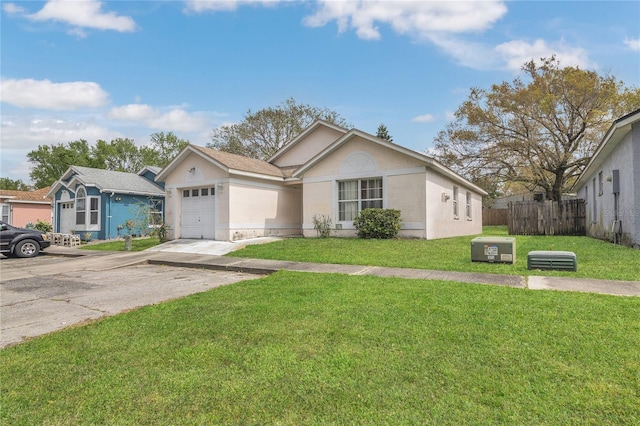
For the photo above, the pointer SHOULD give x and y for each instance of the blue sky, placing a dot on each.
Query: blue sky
(92, 70)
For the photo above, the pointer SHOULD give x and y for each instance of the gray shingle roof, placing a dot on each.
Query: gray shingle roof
(122, 182)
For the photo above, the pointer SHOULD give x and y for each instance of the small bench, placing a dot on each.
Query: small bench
(556, 260)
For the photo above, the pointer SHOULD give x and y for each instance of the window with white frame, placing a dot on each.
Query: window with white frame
(5, 213)
(455, 202)
(468, 206)
(81, 206)
(156, 217)
(357, 195)
(87, 210)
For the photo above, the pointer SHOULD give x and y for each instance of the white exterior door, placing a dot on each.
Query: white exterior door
(67, 217)
(198, 219)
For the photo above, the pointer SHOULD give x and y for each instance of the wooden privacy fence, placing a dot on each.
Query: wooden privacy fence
(492, 217)
(547, 218)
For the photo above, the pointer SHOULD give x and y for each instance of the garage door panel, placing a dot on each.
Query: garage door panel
(198, 213)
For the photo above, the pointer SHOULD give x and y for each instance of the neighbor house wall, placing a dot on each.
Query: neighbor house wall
(21, 214)
(600, 206)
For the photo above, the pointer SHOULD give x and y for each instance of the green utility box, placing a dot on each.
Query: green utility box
(493, 250)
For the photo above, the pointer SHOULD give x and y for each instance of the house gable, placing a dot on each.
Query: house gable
(305, 146)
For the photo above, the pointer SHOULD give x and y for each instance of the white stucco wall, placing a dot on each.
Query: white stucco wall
(312, 144)
(600, 207)
(441, 221)
(408, 186)
(259, 209)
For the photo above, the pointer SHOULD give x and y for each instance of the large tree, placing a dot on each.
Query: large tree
(13, 184)
(539, 134)
(163, 148)
(51, 161)
(264, 132)
(121, 154)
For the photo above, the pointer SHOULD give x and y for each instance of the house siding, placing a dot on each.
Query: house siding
(441, 221)
(625, 157)
(300, 153)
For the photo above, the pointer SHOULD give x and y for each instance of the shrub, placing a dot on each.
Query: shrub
(322, 224)
(377, 223)
(43, 226)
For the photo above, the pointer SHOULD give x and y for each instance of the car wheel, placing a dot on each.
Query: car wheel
(26, 248)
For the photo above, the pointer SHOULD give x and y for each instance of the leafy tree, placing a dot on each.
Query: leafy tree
(16, 185)
(164, 148)
(539, 134)
(383, 133)
(264, 132)
(121, 155)
(51, 161)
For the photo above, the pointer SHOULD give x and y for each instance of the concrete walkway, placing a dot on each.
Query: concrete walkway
(183, 254)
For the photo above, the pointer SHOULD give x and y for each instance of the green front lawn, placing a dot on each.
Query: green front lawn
(296, 348)
(596, 259)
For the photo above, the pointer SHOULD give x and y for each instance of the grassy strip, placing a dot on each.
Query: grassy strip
(596, 259)
(137, 244)
(298, 348)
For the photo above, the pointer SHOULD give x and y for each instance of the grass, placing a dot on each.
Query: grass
(596, 258)
(296, 348)
(137, 244)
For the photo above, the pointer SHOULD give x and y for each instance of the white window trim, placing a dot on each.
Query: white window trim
(468, 202)
(348, 224)
(456, 205)
(88, 226)
(161, 211)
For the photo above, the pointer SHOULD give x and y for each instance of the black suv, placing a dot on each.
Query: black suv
(21, 242)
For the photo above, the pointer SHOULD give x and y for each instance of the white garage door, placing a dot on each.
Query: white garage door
(198, 213)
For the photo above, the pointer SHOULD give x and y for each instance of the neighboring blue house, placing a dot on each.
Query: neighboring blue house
(107, 204)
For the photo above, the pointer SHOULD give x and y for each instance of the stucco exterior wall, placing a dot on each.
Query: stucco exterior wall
(313, 143)
(22, 213)
(441, 220)
(600, 205)
(408, 186)
(259, 209)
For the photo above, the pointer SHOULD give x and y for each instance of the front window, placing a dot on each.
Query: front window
(81, 206)
(155, 213)
(357, 195)
(94, 212)
(468, 205)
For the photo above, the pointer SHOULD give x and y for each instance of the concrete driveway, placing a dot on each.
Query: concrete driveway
(49, 293)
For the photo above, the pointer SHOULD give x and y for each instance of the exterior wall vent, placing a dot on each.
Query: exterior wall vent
(557, 260)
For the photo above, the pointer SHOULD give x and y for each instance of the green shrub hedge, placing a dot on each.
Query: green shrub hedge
(378, 223)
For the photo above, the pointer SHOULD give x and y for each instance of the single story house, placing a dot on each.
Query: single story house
(326, 170)
(20, 208)
(105, 204)
(610, 184)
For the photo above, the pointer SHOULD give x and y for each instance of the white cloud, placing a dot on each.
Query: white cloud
(515, 53)
(175, 119)
(199, 6)
(425, 118)
(633, 43)
(12, 8)
(83, 14)
(44, 94)
(416, 18)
